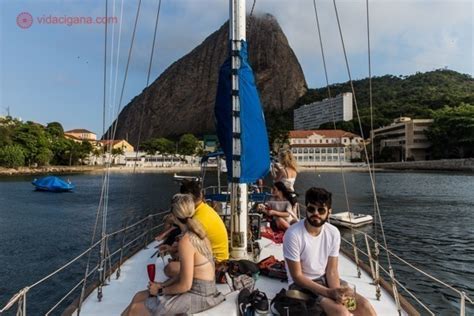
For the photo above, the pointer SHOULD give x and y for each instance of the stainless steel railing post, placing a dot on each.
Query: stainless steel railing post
(356, 254)
(369, 254)
(378, 293)
(395, 290)
(462, 304)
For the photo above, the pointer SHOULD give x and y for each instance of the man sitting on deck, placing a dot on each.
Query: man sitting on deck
(311, 250)
(211, 222)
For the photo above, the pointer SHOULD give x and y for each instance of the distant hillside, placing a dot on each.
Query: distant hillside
(414, 96)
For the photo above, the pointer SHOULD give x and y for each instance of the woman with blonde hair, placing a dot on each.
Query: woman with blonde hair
(286, 169)
(194, 289)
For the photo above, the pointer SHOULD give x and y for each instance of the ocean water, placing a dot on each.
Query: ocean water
(427, 217)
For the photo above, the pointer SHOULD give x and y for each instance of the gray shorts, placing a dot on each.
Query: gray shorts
(203, 295)
(317, 297)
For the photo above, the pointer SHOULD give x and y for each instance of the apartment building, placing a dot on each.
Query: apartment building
(311, 116)
(405, 138)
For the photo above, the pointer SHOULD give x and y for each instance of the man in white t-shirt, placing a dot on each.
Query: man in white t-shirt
(311, 250)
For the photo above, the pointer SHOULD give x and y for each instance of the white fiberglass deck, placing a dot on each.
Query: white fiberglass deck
(118, 294)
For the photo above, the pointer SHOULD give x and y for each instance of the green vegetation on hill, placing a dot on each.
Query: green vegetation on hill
(415, 96)
(435, 94)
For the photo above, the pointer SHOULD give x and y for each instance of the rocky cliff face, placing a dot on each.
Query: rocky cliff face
(181, 100)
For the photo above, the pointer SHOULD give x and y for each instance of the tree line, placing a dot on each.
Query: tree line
(32, 144)
(186, 145)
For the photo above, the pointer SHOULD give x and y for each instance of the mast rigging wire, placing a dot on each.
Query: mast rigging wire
(335, 128)
(362, 134)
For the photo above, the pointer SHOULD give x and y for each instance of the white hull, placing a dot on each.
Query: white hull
(346, 219)
(118, 294)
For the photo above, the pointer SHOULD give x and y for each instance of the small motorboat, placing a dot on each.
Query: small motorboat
(349, 219)
(52, 184)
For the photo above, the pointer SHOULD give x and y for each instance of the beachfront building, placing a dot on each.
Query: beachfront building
(80, 135)
(311, 116)
(143, 160)
(106, 151)
(403, 140)
(325, 147)
(116, 144)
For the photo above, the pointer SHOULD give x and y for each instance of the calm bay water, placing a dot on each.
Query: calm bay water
(428, 220)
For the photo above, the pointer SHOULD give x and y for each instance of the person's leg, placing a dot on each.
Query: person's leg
(363, 307)
(138, 300)
(282, 224)
(172, 269)
(331, 308)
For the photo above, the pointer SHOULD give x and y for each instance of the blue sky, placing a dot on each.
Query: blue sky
(54, 72)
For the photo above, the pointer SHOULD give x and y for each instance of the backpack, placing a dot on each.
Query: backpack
(289, 306)
(273, 268)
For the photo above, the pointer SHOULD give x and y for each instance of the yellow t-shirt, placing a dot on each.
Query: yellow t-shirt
(215, 230)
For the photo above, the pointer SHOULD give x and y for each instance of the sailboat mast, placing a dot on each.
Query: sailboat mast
(238, 242)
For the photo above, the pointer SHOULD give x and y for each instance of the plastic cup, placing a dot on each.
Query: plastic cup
(350, 302)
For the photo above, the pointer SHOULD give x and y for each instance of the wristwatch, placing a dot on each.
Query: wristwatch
(160, 291)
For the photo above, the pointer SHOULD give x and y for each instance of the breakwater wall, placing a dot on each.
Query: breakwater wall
(49, 169)
(442, 165)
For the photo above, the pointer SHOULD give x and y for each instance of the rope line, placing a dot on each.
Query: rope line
(362, 132)
(335, 128)
(253, 7)
(371, 110)
(142, 110)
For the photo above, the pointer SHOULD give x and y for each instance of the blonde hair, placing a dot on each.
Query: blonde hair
(287, 160)
(183, 209)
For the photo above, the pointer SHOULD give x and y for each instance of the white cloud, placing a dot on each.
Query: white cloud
(406, 36)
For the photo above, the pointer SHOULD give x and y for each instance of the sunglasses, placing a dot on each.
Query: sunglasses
(312, 209)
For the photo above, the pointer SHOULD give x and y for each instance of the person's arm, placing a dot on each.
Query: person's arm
(335, 291)
(303, 281)
(332, 273)
(171, 250)
(186, 255)
(332, 270)
(277, 213)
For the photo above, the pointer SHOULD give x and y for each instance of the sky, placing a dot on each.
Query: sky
(55, 72)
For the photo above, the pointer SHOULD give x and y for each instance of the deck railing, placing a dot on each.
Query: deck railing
(20, 298)
(372, 252)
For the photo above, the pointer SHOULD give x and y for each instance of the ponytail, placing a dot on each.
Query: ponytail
(196, 227)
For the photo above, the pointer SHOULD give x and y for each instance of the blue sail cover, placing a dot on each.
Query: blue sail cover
(53, 184)
(255, 152)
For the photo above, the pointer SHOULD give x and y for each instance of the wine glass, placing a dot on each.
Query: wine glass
(151, 269)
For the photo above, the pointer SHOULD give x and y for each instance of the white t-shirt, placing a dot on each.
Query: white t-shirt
(312, 251)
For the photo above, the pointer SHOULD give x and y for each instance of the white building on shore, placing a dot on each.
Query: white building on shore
(325, 147)
(143, 160)
(405, 139)
(311, 116)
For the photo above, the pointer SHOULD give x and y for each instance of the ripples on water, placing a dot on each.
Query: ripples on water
(428, 221)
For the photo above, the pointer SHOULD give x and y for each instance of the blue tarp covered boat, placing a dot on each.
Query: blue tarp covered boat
(52, 184)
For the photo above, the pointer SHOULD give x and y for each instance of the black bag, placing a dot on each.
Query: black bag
(288, 306)
(238, 267)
